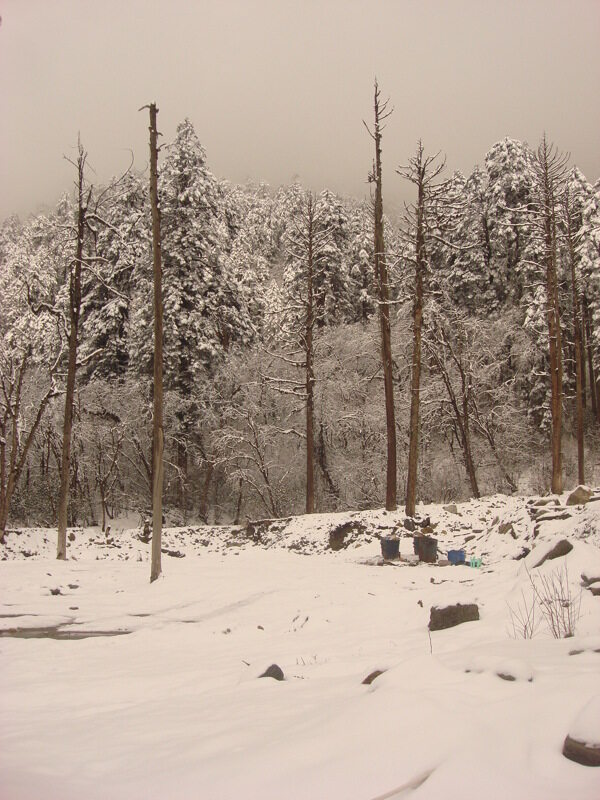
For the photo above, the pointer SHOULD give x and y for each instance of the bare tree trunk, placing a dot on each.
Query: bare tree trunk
(157, 417)
(74, 312)
(552, 312)
(577, 339)
(413, 446)
(310, 377)
(381, 276)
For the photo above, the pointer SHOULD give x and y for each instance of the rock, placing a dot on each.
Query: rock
(409, 524)
(524, 552)
(449, 616)
(371, 677)
(544, 501)
(584, 754)
(451, 508)
(342, 535)
(71, 537)
(552, 516)
(507, 527)
(274, 671)
(586, 581)
(425, 523)
(172, 553)
(582, 743)
(579, 496)
(561, 548)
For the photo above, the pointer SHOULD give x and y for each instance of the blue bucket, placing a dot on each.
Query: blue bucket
(456, 556)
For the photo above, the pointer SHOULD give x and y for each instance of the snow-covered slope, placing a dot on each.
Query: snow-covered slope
(175, 708)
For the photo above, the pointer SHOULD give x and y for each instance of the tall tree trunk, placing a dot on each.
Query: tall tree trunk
(413, 445)
(577, 340)
(310, 378)
(157, 417)
(553, 316)
(381, 276)
(74, 312)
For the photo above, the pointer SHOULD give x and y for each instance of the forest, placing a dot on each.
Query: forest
(311, 341)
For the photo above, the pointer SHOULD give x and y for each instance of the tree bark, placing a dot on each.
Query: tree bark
(381, 276)
(310, 378)
(578, 350)
(157, 417)
(74, 312)
(553, 316)
(413, 445)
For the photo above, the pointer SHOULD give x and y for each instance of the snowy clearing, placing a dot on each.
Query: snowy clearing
(175, 708)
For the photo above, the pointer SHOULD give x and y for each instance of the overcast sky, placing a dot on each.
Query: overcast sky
(278, 88)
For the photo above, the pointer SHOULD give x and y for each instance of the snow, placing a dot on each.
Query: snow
(175, 708)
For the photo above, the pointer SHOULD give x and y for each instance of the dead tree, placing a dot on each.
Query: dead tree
(157, 415)
(550, 172)
(422, 171)
(83, 199)
(571, 226)
(383, 290)
(306, 245)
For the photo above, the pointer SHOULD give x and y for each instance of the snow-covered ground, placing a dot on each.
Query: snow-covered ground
(175, 708)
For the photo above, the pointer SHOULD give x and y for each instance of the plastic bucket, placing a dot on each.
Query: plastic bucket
(426, 548)
(456, 556)
(390, 547)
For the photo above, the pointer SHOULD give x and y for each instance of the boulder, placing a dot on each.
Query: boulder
(587, 755)
(275, 672)
(409, 524)
(343, 535)
(449, 616)
(507, 527)
(582, 743)
(561, 548)
(579, 496)
(544, 501)
(450, 508)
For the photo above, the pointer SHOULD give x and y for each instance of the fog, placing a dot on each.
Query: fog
(279, 88)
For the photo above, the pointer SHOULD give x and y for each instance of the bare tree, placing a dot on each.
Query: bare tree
(306, 243)
(382, 113)
(17, 429)
(422, 171)
(571, 226)
(450, 358)
(157, 417)
(550, 171)
(83, 200)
